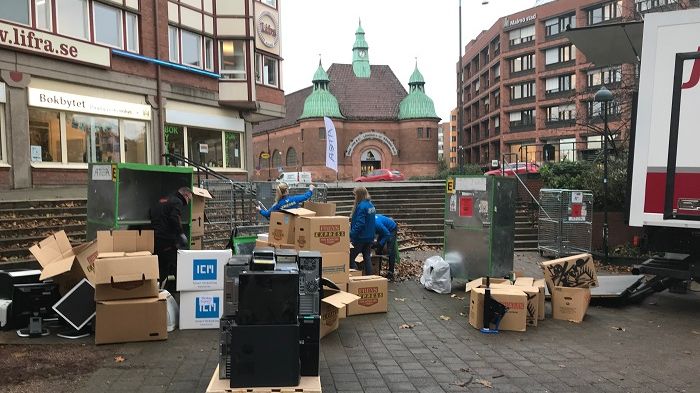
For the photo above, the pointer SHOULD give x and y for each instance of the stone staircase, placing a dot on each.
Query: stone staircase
(24, 223)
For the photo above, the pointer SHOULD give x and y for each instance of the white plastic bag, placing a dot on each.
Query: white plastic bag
(436, 275)
(173, 310)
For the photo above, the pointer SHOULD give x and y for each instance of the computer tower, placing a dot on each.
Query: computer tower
(232, 270)
(309, 345)
(263, 259)
(265, 355)
(286, 260)
(310, 263)
(225, 332)
(268, 298)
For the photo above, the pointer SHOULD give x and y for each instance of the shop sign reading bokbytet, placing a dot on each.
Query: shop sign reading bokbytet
(86, 104)
(40, 42)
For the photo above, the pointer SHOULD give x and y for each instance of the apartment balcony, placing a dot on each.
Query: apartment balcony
(561, 64)
(263, 102)
(557, 123)
(519, 126)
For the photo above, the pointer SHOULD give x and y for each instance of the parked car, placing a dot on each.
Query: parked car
(520, 168)
(295, 177)
(381, 175)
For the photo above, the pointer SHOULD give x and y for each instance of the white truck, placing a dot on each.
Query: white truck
(665, 189)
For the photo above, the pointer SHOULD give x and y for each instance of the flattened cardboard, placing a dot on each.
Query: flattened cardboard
(540, 308)
(322, 209)
(343, 313)
(524, 281)
(481, 282)
(122, 321)
(283, 224)
(201, 309)
(333, 303)
(355, 273)
(570, 304)
(516, 301)
(533, 303)
(324, 234)
(574, 271)
(336, 266)
(125, 240)
(57, 258)
(201, 270)
(372, 291)
(126, 278)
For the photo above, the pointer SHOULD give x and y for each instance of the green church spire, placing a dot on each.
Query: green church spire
(360, 54)
(321, 102)
(416, 105)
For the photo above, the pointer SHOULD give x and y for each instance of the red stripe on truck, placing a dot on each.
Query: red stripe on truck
(687, 186)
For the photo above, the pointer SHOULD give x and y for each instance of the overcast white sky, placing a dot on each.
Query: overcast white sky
(397, 31)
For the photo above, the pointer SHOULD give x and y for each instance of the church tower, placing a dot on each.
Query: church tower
(360, 55)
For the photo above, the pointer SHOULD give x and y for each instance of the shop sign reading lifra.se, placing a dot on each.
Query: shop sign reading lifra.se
(86, 104)
(26, 39)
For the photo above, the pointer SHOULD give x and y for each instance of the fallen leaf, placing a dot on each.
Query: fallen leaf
(562, 365)
(462, 314)
(399, 299)
(464, 370)
(621, 329)
(463, 384)
(696, 332)
(407, 326)
(484, 382)
(445, 318)
(686, 352)
(119, 359)
(453, 295)
(497, 376)
(459, 297)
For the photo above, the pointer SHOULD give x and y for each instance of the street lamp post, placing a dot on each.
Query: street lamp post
(604, 96)
(460, 84)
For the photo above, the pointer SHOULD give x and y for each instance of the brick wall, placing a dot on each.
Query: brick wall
(58, 177)
(5, 179)
(269, 94)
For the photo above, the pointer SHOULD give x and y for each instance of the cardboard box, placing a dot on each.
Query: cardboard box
(481, 283)
(372, 291)
(201, 310)
(321, 209)
(331, 305)
(262, 244)
(336, 266)
(343, 313)
(66, 264)
(539, 284)
(126, 277)
(283, 224)
(126, 241)
(524, 281)
(355, 273)
(574, 271)
(123, 321)
(196, 243)
(199, 198)
(516, 301)
(201, 270)
(570, 304)
(533, 303)
(324, 234)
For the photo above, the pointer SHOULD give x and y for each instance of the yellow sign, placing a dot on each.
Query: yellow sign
(265, 156)
(451, 185)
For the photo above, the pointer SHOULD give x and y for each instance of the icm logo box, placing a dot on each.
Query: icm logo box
(204, 269)
(206, 307)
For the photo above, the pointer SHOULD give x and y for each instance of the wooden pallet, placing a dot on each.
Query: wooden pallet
(306, 385)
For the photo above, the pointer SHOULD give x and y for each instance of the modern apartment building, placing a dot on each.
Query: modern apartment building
(94, 81)
(525, 86)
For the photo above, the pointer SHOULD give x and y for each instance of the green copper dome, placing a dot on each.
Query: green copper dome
(360, 38)
(321, 102)
(417, 104)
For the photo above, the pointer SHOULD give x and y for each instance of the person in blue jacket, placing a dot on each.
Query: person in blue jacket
(362, 228)
(284, 201)
(386, 240)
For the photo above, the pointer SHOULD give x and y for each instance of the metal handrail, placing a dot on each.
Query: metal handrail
(515, 173)
(203, 168)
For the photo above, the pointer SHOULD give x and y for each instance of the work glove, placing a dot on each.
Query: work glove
(184, 243)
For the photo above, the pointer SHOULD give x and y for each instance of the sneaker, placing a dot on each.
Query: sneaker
(390, 276)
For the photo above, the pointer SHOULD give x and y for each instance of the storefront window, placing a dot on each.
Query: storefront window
(72, 18)
(108, 25)
(567, 149)
(204, 147)
(102, 139)
(174, 140)
(44, 135)
(135, 138)
(233, 149)
(15, 10)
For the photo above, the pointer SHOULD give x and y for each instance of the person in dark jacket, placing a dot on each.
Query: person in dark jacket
(166, 219)
(284, 201)
(386, 240)
(362, 228)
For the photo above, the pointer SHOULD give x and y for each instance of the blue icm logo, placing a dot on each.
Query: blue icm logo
(204, 269)
(206, 307)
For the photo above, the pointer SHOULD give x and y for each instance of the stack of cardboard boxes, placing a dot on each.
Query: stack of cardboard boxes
(200, 281)
(316, 228)
(199, 197)
(568, 281)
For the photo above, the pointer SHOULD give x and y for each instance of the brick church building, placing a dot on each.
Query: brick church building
(378, 124)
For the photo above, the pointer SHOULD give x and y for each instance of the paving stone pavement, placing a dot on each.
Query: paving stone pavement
(658, 351)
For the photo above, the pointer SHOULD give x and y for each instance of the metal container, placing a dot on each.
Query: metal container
(479, 226)
(565, 222)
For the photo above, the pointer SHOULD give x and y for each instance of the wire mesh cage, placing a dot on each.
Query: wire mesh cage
(565, 222)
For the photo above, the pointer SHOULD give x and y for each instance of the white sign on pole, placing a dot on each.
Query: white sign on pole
(331, 145)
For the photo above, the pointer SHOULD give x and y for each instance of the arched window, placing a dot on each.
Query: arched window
(277, 159)
(291, 157)
(263, 162)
